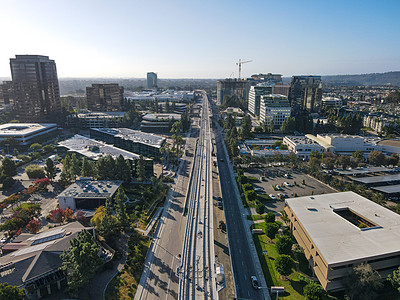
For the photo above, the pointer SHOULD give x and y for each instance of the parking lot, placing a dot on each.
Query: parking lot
(276, 176)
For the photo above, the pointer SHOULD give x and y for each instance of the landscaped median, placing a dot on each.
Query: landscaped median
(268, 255)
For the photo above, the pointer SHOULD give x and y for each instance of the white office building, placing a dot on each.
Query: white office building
(255, 94)
(275, 108)
(302, 146)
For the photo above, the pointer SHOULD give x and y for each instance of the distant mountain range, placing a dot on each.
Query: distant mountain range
(373, 79)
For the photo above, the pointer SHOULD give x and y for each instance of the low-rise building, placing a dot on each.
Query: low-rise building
(341, 230)
(332, 102)
(88, 194)
(274, 108)
(96, 119)
(94, 150)
(302, 146)
(158, 123)
(34, 264)
(25, 134)
(134, 141)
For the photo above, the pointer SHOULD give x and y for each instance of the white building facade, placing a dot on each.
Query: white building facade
(274, 108)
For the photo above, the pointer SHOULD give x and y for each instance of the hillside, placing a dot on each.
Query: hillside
(373, 79)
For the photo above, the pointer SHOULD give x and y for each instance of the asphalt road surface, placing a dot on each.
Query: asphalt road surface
(242, 263)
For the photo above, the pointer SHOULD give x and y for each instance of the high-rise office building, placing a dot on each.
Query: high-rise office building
(105, 97)
(306, 93)
(36, 89)
(255, 94)
(232, 87)
(151, 80)
(275, 108)
(6, 93)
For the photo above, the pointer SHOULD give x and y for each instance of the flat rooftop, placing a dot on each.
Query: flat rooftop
(388, 189)
(134, 135)
(91, 189)
(304, 140)
(101, 115)
(361, 171)
(94, 149)
(21, 129)
(337, 239)
(378, 179)
(161, 117)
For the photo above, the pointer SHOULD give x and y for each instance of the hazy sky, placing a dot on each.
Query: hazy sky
(201, 38)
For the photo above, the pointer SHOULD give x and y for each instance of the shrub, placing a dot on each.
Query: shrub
(247, 187)
(314, 291)
(34, 171)
(251, 195)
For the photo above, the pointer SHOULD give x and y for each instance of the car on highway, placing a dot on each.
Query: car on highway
(221, 160)
(254, 282)
(272, 196)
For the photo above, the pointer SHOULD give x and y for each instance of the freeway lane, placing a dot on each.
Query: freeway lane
(242, 262)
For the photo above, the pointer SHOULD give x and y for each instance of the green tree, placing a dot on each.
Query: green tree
(122, 169)
(246, 127)
(15, 152)
(314, 291)
(75, 168)
(260, 208)
(48, 148)
(284, 264)
(34, 171)
(88, 169)
(50, 169)
(270, 217)
(35, 147)
(80, 261)
(376, 158)
(140, 168)
(271, 229)
(394, 279)
(392, 160)
(8, 167)
(284, 245)
(358, 156)
(11, 292)
(363, 283)
(247, 187)
(271, 126)
(250, 195)
(120, 208)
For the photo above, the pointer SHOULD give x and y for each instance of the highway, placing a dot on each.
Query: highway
(243, 265)
(196, 272)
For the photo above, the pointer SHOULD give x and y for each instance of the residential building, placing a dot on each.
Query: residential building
(151, 80)
(306, 93)
(25, 134)
(158, 123)
(88, 194)
(32, 261)
(105, 97)
(302, 146)
(274, 108)
(135, 141)
(255, 94)
(341, 230)
(6, 93)
(36, 88)
(238, 88)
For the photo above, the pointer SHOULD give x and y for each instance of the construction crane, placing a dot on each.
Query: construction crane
(240, 65)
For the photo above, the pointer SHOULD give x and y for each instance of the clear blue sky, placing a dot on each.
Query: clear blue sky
(201, 38)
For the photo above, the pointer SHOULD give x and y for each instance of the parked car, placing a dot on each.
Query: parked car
(258, 189)
(272, 196)
(220, 205)
(287, 176)
(287, 184)
(278, 187)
